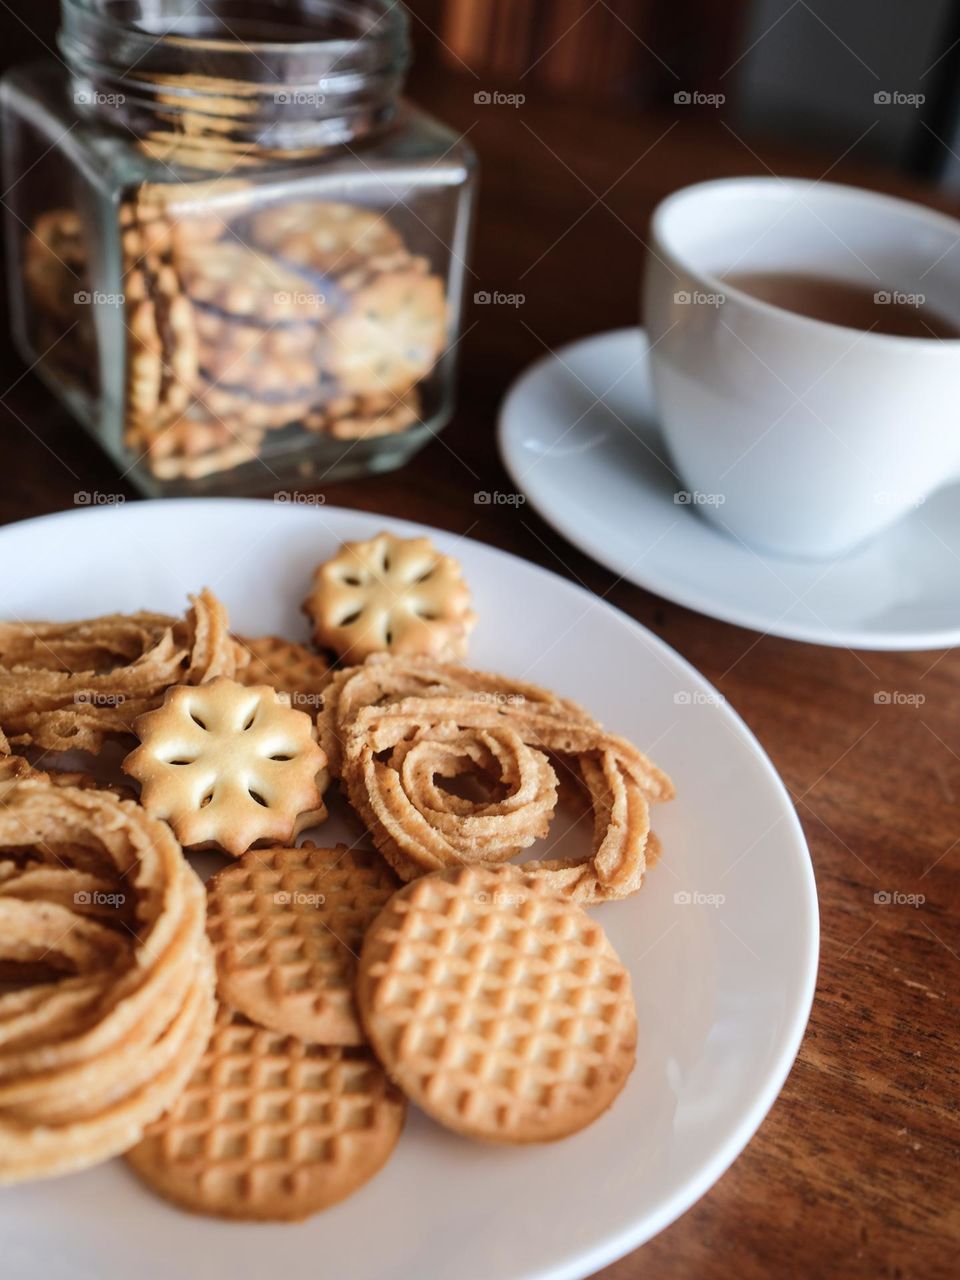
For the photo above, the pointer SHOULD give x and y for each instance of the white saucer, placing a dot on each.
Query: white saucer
(579, 438)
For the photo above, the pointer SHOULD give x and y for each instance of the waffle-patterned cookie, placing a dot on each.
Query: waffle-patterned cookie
(287, 926)
(290, 668)
(501, 1010)
(271, 1128)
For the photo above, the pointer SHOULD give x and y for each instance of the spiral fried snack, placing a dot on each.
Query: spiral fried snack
(383, 679)
(99, 1042)
(71, 685)
(398, 729)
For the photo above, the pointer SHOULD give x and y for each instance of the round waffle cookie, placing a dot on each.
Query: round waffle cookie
(286, 926)
(501, 1010)
(271, 1128)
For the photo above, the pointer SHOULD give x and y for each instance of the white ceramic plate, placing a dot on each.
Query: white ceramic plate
(578, 435)
(723, 991)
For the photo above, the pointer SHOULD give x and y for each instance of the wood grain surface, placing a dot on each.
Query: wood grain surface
(854, 1174)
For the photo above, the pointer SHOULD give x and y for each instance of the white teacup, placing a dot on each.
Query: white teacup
(795, 434)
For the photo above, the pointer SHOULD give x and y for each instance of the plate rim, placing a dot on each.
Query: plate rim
(702, 603)
(743, 1129)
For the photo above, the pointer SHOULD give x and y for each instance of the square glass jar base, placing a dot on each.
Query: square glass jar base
(294, 476)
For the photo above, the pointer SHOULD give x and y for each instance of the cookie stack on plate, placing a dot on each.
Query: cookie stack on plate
(350, 980)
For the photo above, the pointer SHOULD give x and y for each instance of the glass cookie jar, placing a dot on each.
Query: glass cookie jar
(237, 253)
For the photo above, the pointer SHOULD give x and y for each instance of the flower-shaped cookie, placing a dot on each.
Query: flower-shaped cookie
(228, 765)
(396, 594)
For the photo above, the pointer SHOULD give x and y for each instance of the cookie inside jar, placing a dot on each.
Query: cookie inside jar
(305, 315)
(283, 234)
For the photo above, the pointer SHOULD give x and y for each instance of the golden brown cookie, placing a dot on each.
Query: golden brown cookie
(194, 446)
(248, 285)
(271, 1128)
(178, 326)
(181, 216)
(287, 926)
(261, 359)
(290, 668)
(391, 334)
(388, 593)
(325, 236)
(501, 1010)
(228, 766)
(162, 349)
(245, 413)
(55, 263)
(144, 361)
(362, 417)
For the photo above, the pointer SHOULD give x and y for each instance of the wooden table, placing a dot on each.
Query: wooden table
(855, 1172)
